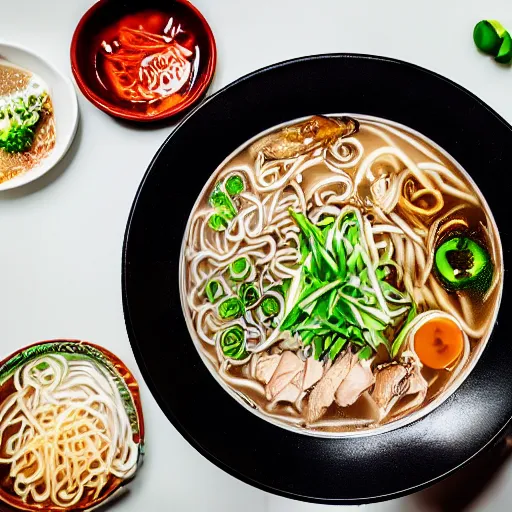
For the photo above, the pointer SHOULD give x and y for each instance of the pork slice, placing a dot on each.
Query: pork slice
(322, 395)
(290, 393)
(358, 380)
(417, 388)
(266, 366)
(289, 366)
(390, 385)
(313, 372)
(297, 380)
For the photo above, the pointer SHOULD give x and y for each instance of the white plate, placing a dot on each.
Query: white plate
(65, 105)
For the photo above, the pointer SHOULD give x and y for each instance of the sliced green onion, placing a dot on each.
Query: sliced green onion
(222, 203)
(318, 345)
(340, 296)
(307, 337)
(318, 293)
(231, 308)
(214, 290)
(397, 343)
(270, 306)
(249, 294)
(234, 185)
(365, 353)
(240, 268)
(232, 342)
(336, 347)
(217, 222)
(326, 221)
(307, 227)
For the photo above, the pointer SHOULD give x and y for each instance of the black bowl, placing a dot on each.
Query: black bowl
(338, 471)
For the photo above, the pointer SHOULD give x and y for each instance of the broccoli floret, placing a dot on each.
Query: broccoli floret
(16, 138)
(20, 117)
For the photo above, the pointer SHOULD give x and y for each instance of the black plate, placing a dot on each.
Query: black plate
(350, 470)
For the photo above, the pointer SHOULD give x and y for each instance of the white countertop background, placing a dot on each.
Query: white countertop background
(61, 236)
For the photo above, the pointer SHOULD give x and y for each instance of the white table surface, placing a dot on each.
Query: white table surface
(60, 252)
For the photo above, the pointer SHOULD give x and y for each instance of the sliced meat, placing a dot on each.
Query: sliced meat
(292, 391)
(417, 390)
(390, 383)
(358, 380)
(327, 365)
(289, 394)
(396, 381)
(313, 372)
(289, 366)
(322, 395)
(297, 380)
(266, 366)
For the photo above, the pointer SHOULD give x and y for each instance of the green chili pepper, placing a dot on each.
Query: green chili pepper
(232, 342)
(462, 263)
(249, 294)
(231, 308)
(214, 291)
(270, 306)
(234, 185)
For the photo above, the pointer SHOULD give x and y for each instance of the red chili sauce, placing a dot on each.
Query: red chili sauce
(148, 60)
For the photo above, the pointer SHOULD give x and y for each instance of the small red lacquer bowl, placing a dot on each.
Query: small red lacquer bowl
(143, 60)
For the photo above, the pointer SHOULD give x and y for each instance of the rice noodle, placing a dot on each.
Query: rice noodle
(65, 431)
(410, 140)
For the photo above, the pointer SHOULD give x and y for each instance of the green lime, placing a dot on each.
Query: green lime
(500, 29)
(487, 37)
(505, 53)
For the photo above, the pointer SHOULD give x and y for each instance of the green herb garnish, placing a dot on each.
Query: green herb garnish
(249, 294)
(240, 269)
(270, 306)
(214, 290)
(234, 185)
(18, 119)
(340, 296)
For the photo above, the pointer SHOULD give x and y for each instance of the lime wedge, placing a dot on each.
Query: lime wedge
(505, 53)
(500, 29)
(487, 38)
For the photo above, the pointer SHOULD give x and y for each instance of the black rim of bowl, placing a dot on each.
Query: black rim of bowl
(335, 471)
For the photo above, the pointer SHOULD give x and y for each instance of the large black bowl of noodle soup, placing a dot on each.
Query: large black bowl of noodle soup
(335, 264)
(71, 427)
